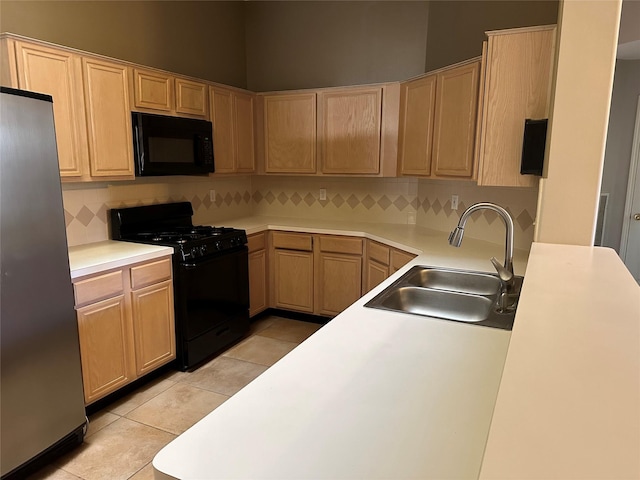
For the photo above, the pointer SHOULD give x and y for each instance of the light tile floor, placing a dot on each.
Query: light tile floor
(124, 437)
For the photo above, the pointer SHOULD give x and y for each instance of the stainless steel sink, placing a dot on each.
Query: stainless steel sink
(454, 280)
(457, 295)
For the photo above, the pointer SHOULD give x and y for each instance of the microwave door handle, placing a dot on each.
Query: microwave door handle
(140, 152)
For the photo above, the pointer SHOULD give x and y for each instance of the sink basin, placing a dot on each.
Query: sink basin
(449, 294)
(455, 280)
(461, 307)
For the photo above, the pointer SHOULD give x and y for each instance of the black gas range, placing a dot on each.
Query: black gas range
(210, 275)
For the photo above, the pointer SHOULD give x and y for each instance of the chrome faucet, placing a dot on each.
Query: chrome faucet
(455, 238)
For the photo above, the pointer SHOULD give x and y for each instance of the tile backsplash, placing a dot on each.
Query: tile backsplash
(387, 200)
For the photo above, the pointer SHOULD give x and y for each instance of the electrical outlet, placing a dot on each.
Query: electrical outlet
(212, 195)
(323, 194)
(454, 202)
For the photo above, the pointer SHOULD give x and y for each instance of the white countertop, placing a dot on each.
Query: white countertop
(569, 401)
(372, 395)
(101, 256)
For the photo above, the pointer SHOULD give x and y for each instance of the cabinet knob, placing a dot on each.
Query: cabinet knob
(636, 216)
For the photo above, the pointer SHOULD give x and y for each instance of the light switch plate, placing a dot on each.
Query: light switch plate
(323, 194)
(454, 202)
(212, 195)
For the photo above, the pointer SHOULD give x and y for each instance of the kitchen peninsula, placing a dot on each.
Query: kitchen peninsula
(387, 395)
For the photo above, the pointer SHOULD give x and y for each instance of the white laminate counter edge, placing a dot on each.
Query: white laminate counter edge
(99, 257)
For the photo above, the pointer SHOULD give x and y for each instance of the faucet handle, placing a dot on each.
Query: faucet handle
(505, 275)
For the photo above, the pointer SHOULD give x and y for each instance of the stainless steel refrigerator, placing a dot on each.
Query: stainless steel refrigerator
(41, 400)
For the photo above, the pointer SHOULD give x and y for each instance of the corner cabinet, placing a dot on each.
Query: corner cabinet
(232, 115)
(258, 279)
(438, 114)
(125, 325)
(517, 86)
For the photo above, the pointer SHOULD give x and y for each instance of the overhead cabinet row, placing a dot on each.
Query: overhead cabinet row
(465, 121)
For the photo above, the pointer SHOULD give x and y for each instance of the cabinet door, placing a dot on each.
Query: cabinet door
(152, 90)
(399, 259)
(244, 132)
(417, 107)
(59, 74)
(290, 133)
(106, 348)
(108, 118)
(376, 274)
(517, 87)
(455, 121)
(339, 282)
(293, 277)
(153, 326)
(257, 282)
(191, 97)
(349, 126)
(223, 131)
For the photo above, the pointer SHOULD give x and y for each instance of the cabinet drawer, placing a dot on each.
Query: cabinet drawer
(150, 273)
(293, 241)
(256, 242)
(379, 253)
(347, 245)
(98, 288)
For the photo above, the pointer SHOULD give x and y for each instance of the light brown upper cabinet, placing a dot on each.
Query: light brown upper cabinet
(58, 73)
(438, 114)
(349, 127)
(191, 98)
(167, 94)
(290, 132)
(519, 64)
(153, 90)
(106, 89)
(91, 106)
(232, 114)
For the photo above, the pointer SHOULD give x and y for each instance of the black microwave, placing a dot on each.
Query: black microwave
(171, 145)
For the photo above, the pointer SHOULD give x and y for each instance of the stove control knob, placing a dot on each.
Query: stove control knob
(218, 245)
(203, 249)
(194, 252)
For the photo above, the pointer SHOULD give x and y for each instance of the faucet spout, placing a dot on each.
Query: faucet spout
(455, 238)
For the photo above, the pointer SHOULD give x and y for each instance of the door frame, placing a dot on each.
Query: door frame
(633, 171)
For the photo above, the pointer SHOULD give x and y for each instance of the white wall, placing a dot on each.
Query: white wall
(624, 101)
(568, 199)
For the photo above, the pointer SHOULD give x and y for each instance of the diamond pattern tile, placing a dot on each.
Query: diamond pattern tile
(401, 202)
(446, 208)
(85, 216)
(219, 200)
(436, 206)
(257, 196)
(384, 202)
(524, 220)
(353, 201)
(228, 199)
(196, 202)
(237, 198)
(282, 198)
(426, 204)
(68, 218)
(368, 202)
(337, 200)
(206, 201)
(309, 199)
(270, 197)
(102, 213)
(490, 216)
(296, 198)
(246, 198)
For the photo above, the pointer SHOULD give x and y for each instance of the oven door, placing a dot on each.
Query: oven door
(212, 304)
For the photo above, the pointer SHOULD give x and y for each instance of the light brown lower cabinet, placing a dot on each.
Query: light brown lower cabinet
(293, 280)
(258, 280)
(106, 341)
(125, 325)
(380, 262)
(339, 275)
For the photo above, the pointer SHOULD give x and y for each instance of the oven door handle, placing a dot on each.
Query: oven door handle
(191, 265)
